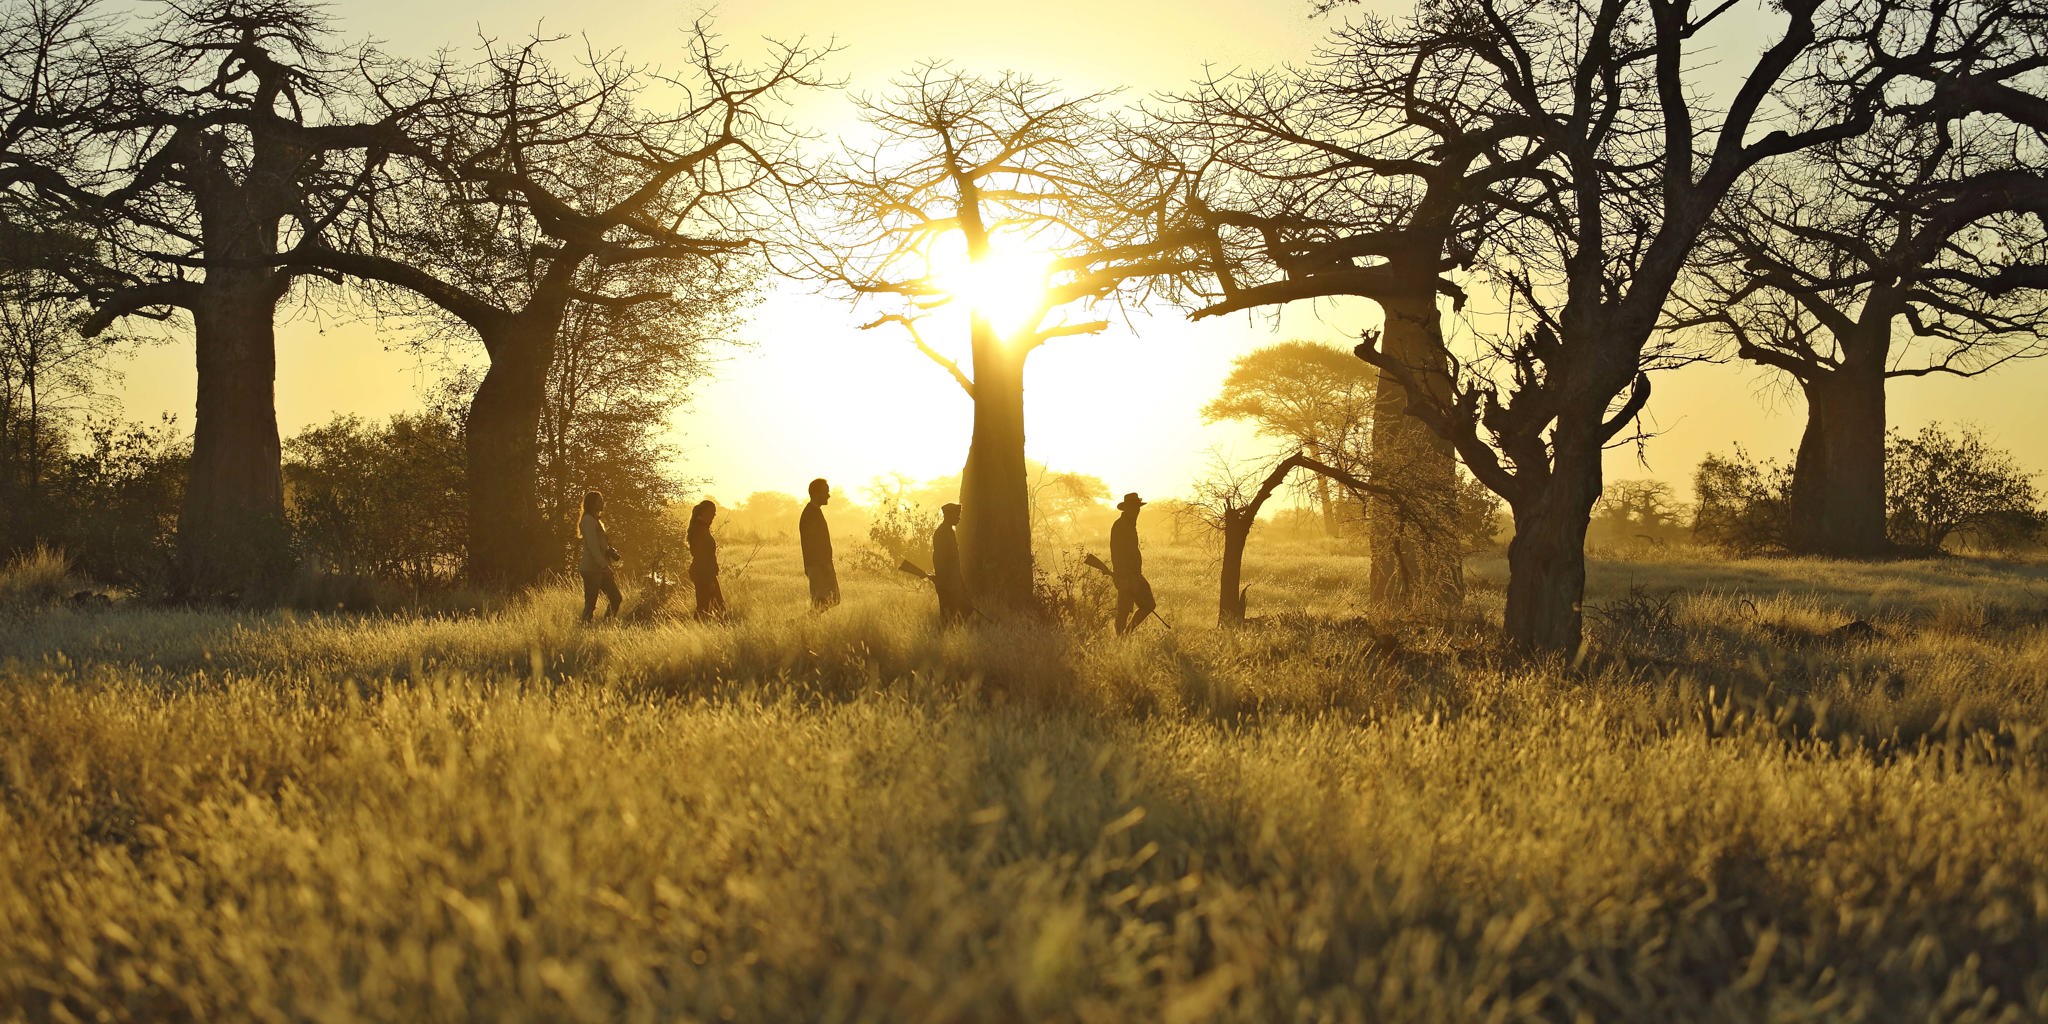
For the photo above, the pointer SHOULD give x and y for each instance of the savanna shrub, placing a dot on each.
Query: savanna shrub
(118, 502)
(1941, 486)
(386, 500)
(1072, 593)
(37, 577)
(1741, 502)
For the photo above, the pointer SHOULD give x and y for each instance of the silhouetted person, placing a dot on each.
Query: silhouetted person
(598, 556)
(704, 562)
(1127, 567)
(816, 538)
(953, 604)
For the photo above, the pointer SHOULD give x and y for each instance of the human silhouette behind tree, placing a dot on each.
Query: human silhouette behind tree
(953, 603)
(1127, 567)
(704, 562)
(816, 538)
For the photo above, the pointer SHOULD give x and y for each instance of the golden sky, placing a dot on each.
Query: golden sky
(812, 396)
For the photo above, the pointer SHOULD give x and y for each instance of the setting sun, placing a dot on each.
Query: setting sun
(1109, 511)
(1006, 286)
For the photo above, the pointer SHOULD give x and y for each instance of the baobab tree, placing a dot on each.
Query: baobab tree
(1912, 251)
(1002, 196)
(213, 140)
(544, 189)
(1338, 180)
(1610, 166)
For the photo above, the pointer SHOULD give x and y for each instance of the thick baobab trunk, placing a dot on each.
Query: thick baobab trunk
(1837, 501)
(995, 503)
(1417, 558)
(232, 540)
(1547, 558)
(508, 543)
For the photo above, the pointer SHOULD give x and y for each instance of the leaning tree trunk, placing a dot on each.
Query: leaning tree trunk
(1417, 557)
(1230, 595)
(508, 542)
(232, 540)
(1547, 557)
(995, 503)
(1836, 506)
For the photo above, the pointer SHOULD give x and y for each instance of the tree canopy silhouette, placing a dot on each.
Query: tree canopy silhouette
(200, 148)
(1004, 167)
(1560, 151)
(550, 187)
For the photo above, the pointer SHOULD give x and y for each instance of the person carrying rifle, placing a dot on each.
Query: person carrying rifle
(1127, 567)
(953, 603)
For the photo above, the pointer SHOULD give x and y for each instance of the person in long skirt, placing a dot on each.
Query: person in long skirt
(704, 562)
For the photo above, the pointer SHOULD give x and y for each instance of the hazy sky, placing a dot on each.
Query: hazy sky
(810, 395)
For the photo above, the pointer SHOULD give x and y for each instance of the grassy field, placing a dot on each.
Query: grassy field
(1723, 811)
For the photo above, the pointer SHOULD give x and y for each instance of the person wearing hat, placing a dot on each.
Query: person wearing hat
(816, 540)
(953, 604)
(1127, 567)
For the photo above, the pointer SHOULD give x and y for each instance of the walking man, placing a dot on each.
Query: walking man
(953, 606)
(1127, 567)
(816, 539)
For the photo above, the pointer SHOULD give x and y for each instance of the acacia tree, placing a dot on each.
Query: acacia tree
(1002, 167)
(208, 142)
(1610, 167)
(546, 190)
(1311, 398)
(1915, 250)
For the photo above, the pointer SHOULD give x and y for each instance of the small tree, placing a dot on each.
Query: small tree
(49, 373)
(1740, 503)
(1636, 510)
(1940, 484)
(1229, 501)
(1310, 397)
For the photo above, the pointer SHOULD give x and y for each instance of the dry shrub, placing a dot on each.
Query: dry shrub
(39, 577)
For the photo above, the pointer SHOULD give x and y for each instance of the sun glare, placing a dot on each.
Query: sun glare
(1006, 286)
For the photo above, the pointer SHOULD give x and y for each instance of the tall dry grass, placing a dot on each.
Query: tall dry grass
(1718, 813)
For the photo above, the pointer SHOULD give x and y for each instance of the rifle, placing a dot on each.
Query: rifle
(910, 568)
(1093, 562)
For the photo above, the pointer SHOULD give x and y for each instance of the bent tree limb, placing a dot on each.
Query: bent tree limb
(1237, 522)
